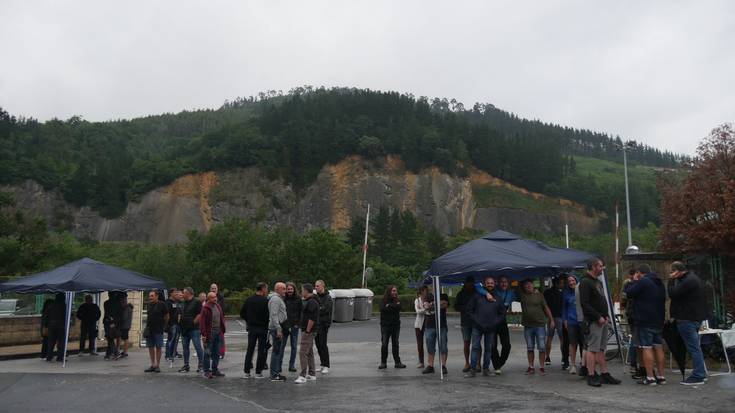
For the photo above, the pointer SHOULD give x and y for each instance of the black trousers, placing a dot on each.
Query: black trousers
(44, 346)
(321, 345)
(259, 337)
(56, 338)
(88, 334)
(503, 335)
(389, 333)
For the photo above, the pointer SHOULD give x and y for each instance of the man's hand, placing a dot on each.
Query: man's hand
(489, 297)
(279, 334)
(601, 321)
(552, 324)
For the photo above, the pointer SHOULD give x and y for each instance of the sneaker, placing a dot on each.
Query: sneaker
(498, 372)
(247, 375)
(400, 365)
(292, 369)
(548, 361)
(310, 377)
(300, 380)
(573, 370)
(278, 378)
(466, 369)
(469, 374)
(428, 370)
(94, 353)
(606, 378)
(565, 367)
(542, 371)
(150, 369)
(530, 370)
(594, 381)
(325, 370)
(184, 369)
(199, 370)
(123, 355)
(259, 376)
(486, 372)
(218, 373)
(633, 370)
(661, 380)
(420, 366)
(583, 372)
(648, 381)
(444, 370)
(382, 366)
(692, 381)
(157, 370)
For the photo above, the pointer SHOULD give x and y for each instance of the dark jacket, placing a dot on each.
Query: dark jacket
(687, 298)
(255, 312)
(57, 314)
(390, 313)
(649, 305)
(325, 309)
(554, 299)
(293, 309)
(460, 304)
(485, 315)
(205, 320)
(310, 312)
(88, 313)
(592, 299)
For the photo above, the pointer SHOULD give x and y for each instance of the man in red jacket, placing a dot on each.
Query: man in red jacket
(212, 326)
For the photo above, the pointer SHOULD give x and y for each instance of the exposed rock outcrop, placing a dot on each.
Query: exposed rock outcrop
(340, 192)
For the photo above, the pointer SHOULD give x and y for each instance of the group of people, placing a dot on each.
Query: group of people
(574, 310)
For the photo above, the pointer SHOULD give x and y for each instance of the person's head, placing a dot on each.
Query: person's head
(469, 283)
(307, 290)
(261, 288)
(188, 293)
(489, 283)
(559, 282)
(503, 283)
(214, 288)
(595, 267)
(290, 289)
(320, 287)
(423, 290)
(202, 297)
(212, 298)
(528, 286)
(391, 292)
(678, 269)
(631, 273)
(642, 270)
(280, 289)
(88, 299)
(172, 293)
(571, 282)
(153, 296)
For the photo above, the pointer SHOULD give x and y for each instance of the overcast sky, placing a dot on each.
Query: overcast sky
(658, 72)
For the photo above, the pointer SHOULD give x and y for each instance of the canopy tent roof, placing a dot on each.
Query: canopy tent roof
(85, 275)
(504, 254)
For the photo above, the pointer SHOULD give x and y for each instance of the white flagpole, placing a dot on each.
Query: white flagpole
(365, 246)
(69, 302)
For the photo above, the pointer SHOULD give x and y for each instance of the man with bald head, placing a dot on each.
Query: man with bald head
(212, 326)
(278, 323)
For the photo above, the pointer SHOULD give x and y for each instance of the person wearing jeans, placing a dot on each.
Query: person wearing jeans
(293, 310)
(190, 333)
(486, 314)
(431, 332)
(212, 326)
(278, 322)
(689, 308)
(174, 327)
(418, 324)
(535, 314)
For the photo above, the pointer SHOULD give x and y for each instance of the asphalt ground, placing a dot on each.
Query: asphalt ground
(354, 384)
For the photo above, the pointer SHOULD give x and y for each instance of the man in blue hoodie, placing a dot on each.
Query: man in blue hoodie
(649, 295)
(486, 315)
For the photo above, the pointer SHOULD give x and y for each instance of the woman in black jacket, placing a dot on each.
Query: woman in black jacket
(390, 326)
(293, 312)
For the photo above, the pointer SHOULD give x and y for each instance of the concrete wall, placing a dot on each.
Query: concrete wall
(20, 330)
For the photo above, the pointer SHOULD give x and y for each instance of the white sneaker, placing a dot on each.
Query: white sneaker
(259, 376)
(247, 376)
(300, 380)
(325, 370)
(498, 372)
(573, 370)
(310, 377)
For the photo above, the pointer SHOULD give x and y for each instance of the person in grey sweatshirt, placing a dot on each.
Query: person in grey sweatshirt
(278, 322)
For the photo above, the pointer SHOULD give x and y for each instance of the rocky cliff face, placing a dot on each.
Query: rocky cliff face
(342, 191)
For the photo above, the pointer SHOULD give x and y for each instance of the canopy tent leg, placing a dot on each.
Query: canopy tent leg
(69, 303)
(613, 319)
(97, 298)
(437, 314)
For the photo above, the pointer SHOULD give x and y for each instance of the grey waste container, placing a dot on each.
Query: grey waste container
(344, 305)
(363, 303)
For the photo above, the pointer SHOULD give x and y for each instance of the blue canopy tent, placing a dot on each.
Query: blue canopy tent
(85, 275)
(504, 254)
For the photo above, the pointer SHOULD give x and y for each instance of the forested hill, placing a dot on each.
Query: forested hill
(106, 164)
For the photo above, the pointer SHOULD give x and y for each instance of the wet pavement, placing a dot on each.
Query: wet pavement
(354, 384)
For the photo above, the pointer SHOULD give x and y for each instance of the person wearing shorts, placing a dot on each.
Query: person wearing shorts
(593, 301)
(431, 332)
(649, 310)
(535, 314)
(157, 319)
(571, 323)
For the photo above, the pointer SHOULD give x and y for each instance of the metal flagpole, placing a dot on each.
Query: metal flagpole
(617, 245)
(611, 311)
(437, 315)
(365, 246)
(69, 302)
